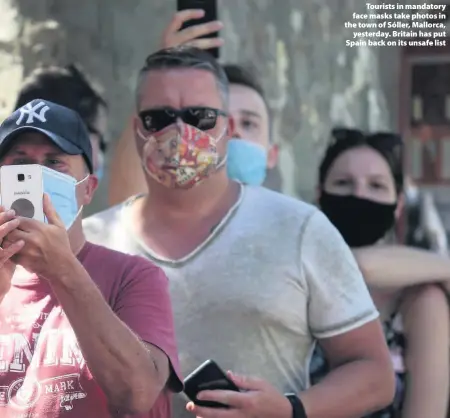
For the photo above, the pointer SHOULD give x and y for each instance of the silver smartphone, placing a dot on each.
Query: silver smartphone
(22, 189)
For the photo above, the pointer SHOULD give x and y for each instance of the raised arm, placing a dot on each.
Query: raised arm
(123, 347)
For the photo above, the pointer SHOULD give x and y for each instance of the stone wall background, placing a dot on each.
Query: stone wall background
(298, 46)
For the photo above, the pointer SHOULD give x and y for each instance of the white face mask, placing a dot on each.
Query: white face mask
(61, 189)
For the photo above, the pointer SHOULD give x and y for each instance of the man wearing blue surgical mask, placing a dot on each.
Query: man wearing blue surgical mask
(252, 154)
(85, 331)
(69, 87)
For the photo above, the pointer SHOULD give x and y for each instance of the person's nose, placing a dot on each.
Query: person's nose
(236, 134)
(360, 190)
(180, 123)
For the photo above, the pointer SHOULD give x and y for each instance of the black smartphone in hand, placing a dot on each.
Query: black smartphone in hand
(211, 14)
(208, 376)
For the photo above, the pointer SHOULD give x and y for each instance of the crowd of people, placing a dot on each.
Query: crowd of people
(314, 311)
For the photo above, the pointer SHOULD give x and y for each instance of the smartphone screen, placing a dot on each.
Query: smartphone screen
(210, 8)
(208, 376)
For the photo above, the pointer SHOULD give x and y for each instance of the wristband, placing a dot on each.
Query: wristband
(298, 410)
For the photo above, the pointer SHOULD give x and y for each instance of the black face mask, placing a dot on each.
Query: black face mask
(361, 222)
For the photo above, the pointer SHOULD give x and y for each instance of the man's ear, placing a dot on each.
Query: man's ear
(90, 188)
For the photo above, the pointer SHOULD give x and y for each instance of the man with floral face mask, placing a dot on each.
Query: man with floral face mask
(252, 153)
(84, 331)
(256, 277)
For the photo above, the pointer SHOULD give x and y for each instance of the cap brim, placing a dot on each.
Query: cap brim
(59, 141)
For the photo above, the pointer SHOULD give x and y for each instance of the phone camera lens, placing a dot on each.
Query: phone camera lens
(21, 177)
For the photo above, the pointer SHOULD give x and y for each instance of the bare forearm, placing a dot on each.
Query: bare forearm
(425, 316)
(396, 267)
(350, 391)
(118, 360)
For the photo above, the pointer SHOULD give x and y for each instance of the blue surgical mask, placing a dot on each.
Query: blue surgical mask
(247, 162)
(61, 189)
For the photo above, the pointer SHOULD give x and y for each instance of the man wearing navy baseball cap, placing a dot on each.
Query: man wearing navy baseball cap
(64, 128)
(85, 331)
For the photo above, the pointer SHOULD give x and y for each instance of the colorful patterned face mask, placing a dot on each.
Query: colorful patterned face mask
(180, 156)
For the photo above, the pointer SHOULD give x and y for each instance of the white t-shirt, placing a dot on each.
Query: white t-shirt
(272, 278)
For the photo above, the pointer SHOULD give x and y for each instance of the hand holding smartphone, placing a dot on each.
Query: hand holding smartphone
(22, 189)
(208, 376)
(198, 31)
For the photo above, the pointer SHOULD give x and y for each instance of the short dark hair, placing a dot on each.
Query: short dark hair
(247, 77)
(66, 86)
(244, 76)
(183, 57)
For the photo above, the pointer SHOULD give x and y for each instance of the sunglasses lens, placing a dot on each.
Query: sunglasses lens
(155, 120)
(201, 118)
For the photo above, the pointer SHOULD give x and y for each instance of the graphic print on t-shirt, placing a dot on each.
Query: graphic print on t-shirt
(43, 373)
(41, 364)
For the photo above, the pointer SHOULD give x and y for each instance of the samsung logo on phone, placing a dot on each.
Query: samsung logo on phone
(21, 193)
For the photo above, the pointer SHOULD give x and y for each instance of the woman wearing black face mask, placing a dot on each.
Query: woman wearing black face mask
(360, 190)
(361, 181)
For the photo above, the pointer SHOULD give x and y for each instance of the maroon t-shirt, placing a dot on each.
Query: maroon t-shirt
(43, 373)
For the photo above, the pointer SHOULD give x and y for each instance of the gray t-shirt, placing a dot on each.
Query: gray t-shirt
(272, 278)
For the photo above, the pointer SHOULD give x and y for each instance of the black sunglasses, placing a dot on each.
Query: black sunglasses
(203, 118)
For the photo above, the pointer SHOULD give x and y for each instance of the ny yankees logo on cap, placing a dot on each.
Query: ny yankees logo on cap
(31, 111)
(64, 128)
